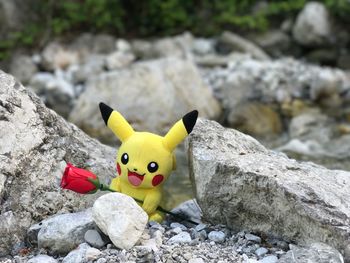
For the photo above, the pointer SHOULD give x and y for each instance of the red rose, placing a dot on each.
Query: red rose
(79, 180)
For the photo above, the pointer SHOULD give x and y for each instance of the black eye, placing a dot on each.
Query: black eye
(152, 167)
(125, 158)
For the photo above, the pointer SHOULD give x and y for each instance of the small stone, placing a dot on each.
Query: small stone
(101, 260)
(200, 227)
(217, 236)
(77, 255)
(42, 259)
(196, 260)
(181, 238)
(93, 238)
(92, 253)
(253, 238)
(158, 237)
(175, 225)
(176, 230)
(260, 252)
(269, 259)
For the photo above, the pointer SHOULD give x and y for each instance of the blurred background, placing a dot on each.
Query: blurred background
(277, 70)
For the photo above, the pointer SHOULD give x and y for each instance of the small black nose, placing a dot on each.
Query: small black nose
(135, 169)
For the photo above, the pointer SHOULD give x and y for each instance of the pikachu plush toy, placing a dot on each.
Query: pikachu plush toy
(145, 160)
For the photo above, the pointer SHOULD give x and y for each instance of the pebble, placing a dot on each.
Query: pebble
(183, 237)
(175, 225)
(260, 252)
(269, 259)
(42, 259)
(92, 253)
(200, 227)
(93, 238)
(217, 236)
(101, 260)
(176, 230)
(253, 238)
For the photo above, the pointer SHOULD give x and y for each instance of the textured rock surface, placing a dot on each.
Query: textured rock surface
(316, 252)
(121, 218)
(42, 259)
(35, 145)
(62, 233)
(151, 96)
(240, 183)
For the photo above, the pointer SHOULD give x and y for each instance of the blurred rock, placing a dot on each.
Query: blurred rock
(278, 81)
(23, 68)
(313, 26)
(62, 233)
(344, 61)
(57, 56)
(121, 218)
(234, 42)
(178, 46)
(103, 44)
(274, 42)
(118, 60)
(151, 95)
(90, 67)
(255, 119)
(57, 93)
(32, 159)
(323, 56)
(316, 252)
(241, 184)
(202, 46)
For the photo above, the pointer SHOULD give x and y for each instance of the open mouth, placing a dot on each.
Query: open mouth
(134, 178)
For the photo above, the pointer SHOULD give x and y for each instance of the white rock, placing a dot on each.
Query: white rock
(202, 46)
(78, 255)
(62, 233)
(118, 60)
(181, 238)
(246, 173)
(42, 259)
(261, 251)
(312, 26)
(269, 259)
(253, 238)
(115, 215)
(196, 260)
(93, 238)
(92, 253)
(123, 45)
(217, 236)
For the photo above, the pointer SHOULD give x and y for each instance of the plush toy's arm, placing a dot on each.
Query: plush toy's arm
(152, 201)
(115, 184)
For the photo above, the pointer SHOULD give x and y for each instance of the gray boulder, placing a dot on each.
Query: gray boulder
(313, 26)
(62, 233)
(36, 144)
(241, 184)
(23, 68)
(316, 252)
(151, 95)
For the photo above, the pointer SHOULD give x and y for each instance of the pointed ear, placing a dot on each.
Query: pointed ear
(180, 130)
(116, 122)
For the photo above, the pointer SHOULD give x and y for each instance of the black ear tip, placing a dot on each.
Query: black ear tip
(106, 111)
(189, 120)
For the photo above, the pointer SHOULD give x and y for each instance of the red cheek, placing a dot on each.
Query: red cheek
(118, 169)
(157, 179)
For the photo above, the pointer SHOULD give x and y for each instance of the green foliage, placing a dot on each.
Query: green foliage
(131, 18)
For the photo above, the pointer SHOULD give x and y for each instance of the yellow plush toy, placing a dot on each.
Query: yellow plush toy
(145, 160)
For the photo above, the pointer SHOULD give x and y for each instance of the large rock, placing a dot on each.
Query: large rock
(316, 252)
(313, 26)
(35, 145)
(241, 184)
(62, 233)
(151, 96)
(121, 218)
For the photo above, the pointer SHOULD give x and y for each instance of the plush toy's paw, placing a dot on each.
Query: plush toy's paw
(149, 207)
(157, 217)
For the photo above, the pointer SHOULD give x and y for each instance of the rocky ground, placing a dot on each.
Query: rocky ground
(257, 205)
